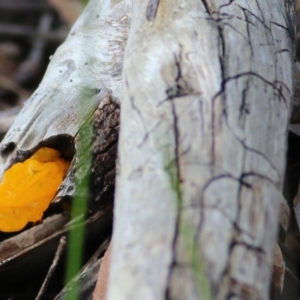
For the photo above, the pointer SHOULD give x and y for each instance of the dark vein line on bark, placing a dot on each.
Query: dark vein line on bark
(177, 182)
(174, 92)
(152, 9)
(239, 180)
(277, 67)
(261, 176)
(201, 116)
(227, 16)
(283, 84)
(206, 6)
(201, 197)
(148, 133)
(135, 107)
(178, 201)
(244, 107)
(234, 29)
(227, 4)
(227, 270)
(282, 26)
(261, 11)
(250, 149)
(239, 199)
(221, 49)
(255, 16)
(250, 73)
(248, 33)
(258, 250)
(284, 51)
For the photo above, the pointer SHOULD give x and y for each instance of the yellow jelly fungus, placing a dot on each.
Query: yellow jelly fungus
(27, 188)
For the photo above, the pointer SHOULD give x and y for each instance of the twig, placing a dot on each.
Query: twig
(60, 248)
(56, 36)
(13, 87)
(7, 118)
(31, 66)
(22, 5)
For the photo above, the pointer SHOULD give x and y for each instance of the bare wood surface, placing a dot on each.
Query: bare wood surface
(207, 96)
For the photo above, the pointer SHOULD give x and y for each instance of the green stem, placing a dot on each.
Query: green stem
(79, 208)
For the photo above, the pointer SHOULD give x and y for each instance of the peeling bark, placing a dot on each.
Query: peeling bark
(207, 89)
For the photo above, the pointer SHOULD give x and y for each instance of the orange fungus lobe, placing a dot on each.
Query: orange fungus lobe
(27, 188)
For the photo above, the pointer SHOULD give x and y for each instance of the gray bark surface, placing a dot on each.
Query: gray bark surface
(207, 89)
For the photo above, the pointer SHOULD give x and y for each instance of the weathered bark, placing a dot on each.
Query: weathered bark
(207, 94)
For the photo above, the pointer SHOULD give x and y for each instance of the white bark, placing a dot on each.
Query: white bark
(207, 94)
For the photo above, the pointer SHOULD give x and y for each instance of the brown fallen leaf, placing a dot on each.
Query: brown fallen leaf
(101, 286)
(278, 269)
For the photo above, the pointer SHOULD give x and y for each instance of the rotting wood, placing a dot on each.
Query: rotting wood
(207, 97)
